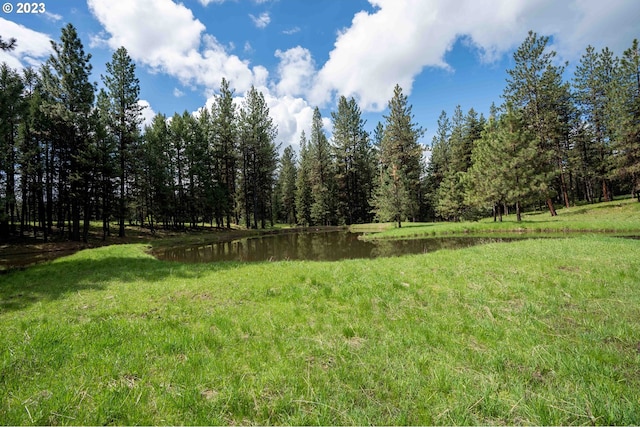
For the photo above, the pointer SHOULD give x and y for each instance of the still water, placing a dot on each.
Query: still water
(317, 246)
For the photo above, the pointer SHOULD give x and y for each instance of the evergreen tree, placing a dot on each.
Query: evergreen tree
(71, 95)
(287, 185)
(535, 86)
(450, 197)
(211, 187)
(506, 164)
(592, 86)
(438, 164)
(225, 148)
(158, 181)
(304, 196)
(11, 111)
(390, 199)
(354, 163)
(625, 94)
(106, 145)
(178, 138)
(486, 182)
(259, 159)
(123, 90)
(197, 170)
(322, 173)
(32, 134)
(401, 160)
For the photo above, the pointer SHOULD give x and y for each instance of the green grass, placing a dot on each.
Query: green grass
(619, 217)
(531, 332)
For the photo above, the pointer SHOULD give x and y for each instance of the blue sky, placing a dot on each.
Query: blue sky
(303, 53)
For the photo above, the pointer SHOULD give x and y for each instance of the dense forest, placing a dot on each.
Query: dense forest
(71, 154)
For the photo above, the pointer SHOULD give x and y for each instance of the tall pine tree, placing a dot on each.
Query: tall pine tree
(535, 86)
(71, 96)
(401, 162)
(123, 91)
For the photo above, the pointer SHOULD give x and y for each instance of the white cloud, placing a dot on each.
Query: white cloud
(291, 31)
(147, 113)
(177, 92)
(261, 21)
(208, 2)
(32, 47)
(247, 47)
(399, 39)
(296, 71)
(54, 17)
(167, 37)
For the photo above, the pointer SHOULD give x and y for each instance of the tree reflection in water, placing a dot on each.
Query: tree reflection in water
(316, 246)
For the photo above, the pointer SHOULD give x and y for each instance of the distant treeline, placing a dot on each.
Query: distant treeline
(70, 154)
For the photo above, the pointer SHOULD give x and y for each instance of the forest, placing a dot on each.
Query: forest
(73, 153)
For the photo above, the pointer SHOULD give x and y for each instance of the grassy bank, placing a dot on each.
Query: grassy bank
(532, 332)
(621, 217)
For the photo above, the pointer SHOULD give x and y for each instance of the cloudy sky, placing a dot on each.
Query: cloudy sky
(303, 53)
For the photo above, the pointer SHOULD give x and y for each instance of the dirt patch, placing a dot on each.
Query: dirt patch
(209, 394)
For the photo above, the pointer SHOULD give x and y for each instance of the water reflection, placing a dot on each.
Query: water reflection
(318, 246)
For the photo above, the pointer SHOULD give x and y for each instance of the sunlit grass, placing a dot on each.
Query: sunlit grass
(621, 217)
(532, 332)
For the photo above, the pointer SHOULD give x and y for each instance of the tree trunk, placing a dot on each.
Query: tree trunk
(518, 213)
(552, 210)
(605, 191)
(565, 193)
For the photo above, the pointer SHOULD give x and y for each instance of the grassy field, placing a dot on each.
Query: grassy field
(531, 332)
(620, 217)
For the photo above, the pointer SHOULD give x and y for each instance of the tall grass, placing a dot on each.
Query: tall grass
(531, 332)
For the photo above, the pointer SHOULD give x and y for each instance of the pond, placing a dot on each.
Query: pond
(316, 246)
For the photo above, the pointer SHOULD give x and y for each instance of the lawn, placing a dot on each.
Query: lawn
(540, 332)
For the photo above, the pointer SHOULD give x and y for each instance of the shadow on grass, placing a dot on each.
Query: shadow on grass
(55, 280)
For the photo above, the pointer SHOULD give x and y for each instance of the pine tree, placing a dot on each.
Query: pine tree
(322, 174)
(259, 159)
(178, 138)
(390, 199)
(304, 197)
(401, 160)
(123, 90)
(225, 148)
(486, 182)
(71, 95)
(11, 111)
(625, 93)
(354, 167)
(31, 150)
(592, 86)
(158, 180)
(106, 145)
(506, 164)
(450, 196)
(535, 86)
(287, 184)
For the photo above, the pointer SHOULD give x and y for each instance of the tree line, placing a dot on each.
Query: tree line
(71, 154)
(551, 142)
